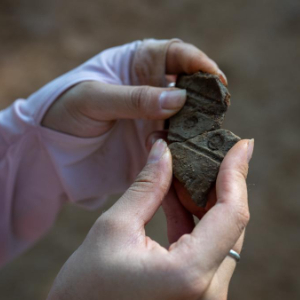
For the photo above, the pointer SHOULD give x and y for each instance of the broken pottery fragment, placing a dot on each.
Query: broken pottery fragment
(197, 143)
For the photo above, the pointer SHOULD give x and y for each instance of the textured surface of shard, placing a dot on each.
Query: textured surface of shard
(197, 143)
(196, 161)
(204, 110)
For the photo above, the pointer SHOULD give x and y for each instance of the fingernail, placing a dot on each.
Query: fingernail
(250, 149)
(172, 100)
(157, 151)
(171, 84)
(223, 77)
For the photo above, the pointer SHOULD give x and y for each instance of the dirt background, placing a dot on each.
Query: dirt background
(256, 43)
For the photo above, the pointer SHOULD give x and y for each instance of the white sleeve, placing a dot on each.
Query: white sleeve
(40, 169)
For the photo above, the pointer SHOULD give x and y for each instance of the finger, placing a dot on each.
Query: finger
(140, 202)
(186, 58)
(218, 288)
(179, 220)
(154, 136)
(228, 266)
(107, 102)
(221, 227)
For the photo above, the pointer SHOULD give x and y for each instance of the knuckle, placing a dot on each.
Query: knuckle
(191, 62)
(138, 97)
(238, 175)
(176, 49)
(232, 181)
(87, 85)
(243, 170)
(142, 186)
(148, 181)
(242, 218)
(186, 242)
(146, 175)
(89, 89)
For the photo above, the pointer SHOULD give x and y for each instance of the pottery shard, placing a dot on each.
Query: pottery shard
(197, 143)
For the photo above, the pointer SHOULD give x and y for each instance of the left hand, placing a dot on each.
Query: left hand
(90, 108)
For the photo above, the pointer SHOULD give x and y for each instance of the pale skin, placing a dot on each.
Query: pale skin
(117, 260)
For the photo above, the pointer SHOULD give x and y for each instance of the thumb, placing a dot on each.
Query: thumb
(140, 202)
(219, 230)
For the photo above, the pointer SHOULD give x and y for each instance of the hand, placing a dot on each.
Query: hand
(118, 261)
(90, 108)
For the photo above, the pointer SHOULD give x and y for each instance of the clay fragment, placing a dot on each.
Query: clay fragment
(197, 143)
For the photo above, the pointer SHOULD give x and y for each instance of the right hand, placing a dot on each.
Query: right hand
(118, 261)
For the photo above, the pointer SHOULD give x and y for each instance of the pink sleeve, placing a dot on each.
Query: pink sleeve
(40, 169)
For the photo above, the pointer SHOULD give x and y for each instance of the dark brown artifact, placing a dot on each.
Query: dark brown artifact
(197, 143)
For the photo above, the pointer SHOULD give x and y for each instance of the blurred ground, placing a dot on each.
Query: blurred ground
(257, 45)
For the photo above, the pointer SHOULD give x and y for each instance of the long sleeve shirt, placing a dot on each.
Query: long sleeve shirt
(40, 169)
